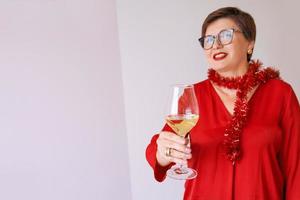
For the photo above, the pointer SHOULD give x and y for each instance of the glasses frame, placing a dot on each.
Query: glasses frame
(217, 37)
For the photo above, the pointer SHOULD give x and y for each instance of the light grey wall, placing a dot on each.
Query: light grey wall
(62, 126)
(158, 41)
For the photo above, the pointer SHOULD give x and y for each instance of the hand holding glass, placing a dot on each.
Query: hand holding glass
(182, 116)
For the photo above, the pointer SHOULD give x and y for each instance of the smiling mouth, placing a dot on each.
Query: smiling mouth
(219, 56)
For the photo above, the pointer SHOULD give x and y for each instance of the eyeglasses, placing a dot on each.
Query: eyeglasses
(224, 37)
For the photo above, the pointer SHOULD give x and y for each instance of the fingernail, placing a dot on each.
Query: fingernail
(188, 150)
(186, 141)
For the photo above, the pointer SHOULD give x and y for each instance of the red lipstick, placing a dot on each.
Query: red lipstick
(219, 56)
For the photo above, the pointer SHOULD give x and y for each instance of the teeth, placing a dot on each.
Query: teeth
(220, 55)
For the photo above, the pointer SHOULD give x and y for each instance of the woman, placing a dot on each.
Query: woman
(246, 144)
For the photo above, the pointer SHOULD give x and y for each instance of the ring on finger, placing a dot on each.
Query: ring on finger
(168, 151)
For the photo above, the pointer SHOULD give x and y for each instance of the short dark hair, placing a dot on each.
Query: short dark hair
(242, 19)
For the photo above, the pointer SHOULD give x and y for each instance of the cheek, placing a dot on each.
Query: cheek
(208, 57)
(208, 54)
(241, 53)
(239, 49)
(237, 52)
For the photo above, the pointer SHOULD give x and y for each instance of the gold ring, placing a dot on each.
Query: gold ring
(168, 151)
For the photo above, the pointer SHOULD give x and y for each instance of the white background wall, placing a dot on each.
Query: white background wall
(158, 41)
(62, 127)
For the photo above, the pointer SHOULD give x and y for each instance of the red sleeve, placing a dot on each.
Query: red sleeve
(159, 171)
(290, 152)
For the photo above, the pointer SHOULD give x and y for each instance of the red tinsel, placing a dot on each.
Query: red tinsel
(243, 84)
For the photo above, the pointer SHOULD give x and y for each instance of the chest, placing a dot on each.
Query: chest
(228, 97)
(261, 130)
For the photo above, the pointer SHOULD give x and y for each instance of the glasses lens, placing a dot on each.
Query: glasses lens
(208, 41)
(225, 36)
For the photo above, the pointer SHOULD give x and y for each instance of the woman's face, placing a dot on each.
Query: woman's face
(224, 58)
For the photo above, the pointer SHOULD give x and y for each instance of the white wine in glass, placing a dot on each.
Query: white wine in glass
(182, 124)
(182, 116)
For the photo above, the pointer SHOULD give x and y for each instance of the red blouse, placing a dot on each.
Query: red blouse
(270, 165)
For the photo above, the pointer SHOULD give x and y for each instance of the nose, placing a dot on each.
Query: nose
(217, 44)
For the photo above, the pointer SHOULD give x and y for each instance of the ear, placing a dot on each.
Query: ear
(251, 45)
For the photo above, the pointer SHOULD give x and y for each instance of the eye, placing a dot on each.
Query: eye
(208, 39)
(225, 36)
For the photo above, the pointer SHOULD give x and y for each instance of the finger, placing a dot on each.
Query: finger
(162, 150)
(171, 158)
(175, 156)
(163, 153)
(180, 155)
(188, 141)
(163, 144)
(173, 137)
(161, 158)
(178, 147)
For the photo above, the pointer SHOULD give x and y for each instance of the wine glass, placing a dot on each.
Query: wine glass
(182, 116)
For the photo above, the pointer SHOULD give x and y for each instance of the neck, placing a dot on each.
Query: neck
(234, 72)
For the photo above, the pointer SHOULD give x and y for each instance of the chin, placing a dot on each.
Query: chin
(219, 66)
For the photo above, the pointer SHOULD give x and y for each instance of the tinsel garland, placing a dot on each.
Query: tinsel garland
(243, 84)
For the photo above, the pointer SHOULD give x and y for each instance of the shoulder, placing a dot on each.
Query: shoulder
(278, 85)
(202, 84)
(202, 87)
(278, 91)
(204, 93)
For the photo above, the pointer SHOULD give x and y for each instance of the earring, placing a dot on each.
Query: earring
(250, 51)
